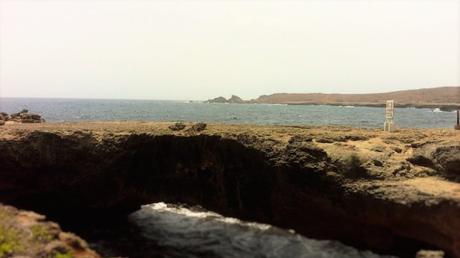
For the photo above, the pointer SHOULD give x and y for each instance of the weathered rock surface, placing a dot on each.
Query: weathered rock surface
(28, 234)
(4, 116)
(362, 187)
(177, 126)
(21, 117)
(443, 158)
(198, 127)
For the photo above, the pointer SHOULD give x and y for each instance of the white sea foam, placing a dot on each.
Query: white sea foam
(195, 232)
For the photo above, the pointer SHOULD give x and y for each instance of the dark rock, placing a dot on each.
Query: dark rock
(300, 138)
(18, 115)
(355, 138)
(377, 163)
(177, 126)
(2, 122)
(235, 99)
(324, 140)
(378, 148)
(421, 161)
(397, 149)
(218, 100)
(448, 157)
(29, 121)
(4, 116)
(402, 170)
(352, 167)
(445, 159)
(198, 127)
(25, 117)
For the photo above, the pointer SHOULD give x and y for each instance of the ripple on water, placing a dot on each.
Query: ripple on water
(192, 232)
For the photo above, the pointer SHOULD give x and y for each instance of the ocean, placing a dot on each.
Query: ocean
(176, 231)
(71, 110)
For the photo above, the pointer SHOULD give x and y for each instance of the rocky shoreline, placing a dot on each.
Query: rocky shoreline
(441, 106)
(445, 107)
(22, 116)
(393, 193)
(445, 99)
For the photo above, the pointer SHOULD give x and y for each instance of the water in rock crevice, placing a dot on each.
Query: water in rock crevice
(167, 230)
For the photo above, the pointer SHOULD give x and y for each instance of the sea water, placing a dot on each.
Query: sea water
(60, 110)
(175, 231)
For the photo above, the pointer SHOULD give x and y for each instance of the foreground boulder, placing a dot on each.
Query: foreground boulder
(27, 234)
(443, 158)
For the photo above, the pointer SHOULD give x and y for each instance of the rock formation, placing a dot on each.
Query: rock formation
(25, 117)
(198, 127)
(217, 100)
(444, 98)
(177, 126)
(21, 117)
(233, 99)
(3, 118)
(392, 193)
(27, 234)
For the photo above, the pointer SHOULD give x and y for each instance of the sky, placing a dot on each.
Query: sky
(195, 50)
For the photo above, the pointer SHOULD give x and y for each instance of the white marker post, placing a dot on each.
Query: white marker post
(389, 116)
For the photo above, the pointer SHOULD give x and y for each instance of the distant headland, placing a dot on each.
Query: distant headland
(444, 98)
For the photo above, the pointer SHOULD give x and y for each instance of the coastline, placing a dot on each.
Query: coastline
(442, 106)
(444, 98)
(445, 107)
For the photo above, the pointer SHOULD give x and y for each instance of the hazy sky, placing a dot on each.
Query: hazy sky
(203, 49)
